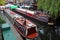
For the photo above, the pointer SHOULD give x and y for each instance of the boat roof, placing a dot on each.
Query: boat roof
(26, 10)
(21, 9)
(28, 24)
(12, 14)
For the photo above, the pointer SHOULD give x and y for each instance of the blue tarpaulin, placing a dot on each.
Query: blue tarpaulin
(7, 34)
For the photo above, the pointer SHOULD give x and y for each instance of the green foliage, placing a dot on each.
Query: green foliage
(53, 6)
(2, 2)
(2, 20)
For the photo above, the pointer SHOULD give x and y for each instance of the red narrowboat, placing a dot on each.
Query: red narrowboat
(25, 27)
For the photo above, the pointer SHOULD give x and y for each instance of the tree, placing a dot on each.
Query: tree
(2, 20)
(53, 6)
(2, 2)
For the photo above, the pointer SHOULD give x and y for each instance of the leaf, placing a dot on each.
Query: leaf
(53, 6)
(2, 2)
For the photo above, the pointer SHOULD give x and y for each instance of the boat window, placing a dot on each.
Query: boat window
(25, 8)
(24, 31)
(21, 28)
(16, 23)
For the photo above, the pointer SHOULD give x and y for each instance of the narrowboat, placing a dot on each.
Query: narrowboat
(33, 14)
(25, 27)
